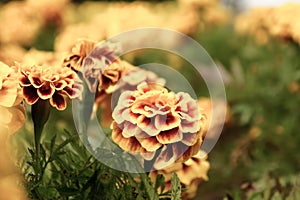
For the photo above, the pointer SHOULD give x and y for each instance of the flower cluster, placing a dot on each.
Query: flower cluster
(190, 173)
(151, 119)
(281, 23)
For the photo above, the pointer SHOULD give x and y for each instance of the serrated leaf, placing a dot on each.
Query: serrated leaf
(176, 187)
(151, 192)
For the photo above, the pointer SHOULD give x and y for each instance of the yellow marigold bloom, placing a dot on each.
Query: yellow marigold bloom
(190, 174)
(12, 113)
(9, 86)
(119, 77)
(46, 82)
(109, 82)
(151, 119)
(102, 60)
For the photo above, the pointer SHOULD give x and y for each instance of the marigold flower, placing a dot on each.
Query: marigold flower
(132, 78)
(108, 83)
(78, 53)
(190, 174)
(151, 119)
(117, 78)
(9, 87)
(97, 62)
(45, 82)
(12, 113)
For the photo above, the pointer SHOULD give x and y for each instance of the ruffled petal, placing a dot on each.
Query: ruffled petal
(165, 158)
(130, 130)
(59, 85)
(190, 127)
(58, 101)
(131, 144)
(147, 125)
(24, 81)
(35, 81)
(73, 91)
(170, 136)
(190, 139)
(150, 144)
(30, 95)
(46, 91)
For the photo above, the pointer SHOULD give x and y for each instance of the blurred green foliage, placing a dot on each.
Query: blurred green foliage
(263, 138)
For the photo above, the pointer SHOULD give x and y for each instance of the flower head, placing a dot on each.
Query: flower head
(136, 76)
(78, 53)
(9, 86)
(151, 119)
(117, 78)
(12, 113)
(190, 174)
(46, 82)
(94, 65)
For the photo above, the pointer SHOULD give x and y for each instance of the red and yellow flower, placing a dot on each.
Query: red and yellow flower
(12, 112)
(190, 174)
(158, 124)
(46, 82)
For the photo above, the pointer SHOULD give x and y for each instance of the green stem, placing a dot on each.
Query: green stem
(40, 112)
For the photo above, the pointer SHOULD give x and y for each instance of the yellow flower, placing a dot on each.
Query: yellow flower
(152, 120)
(190, 174)
(117, 78)
(12, 112)
(46, 82)
(100, 66)
(9, 86)
(78, 53)
(109, 82)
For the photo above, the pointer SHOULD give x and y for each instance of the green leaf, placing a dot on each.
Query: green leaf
(160, 182)
(176, 187)
(151, 192)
